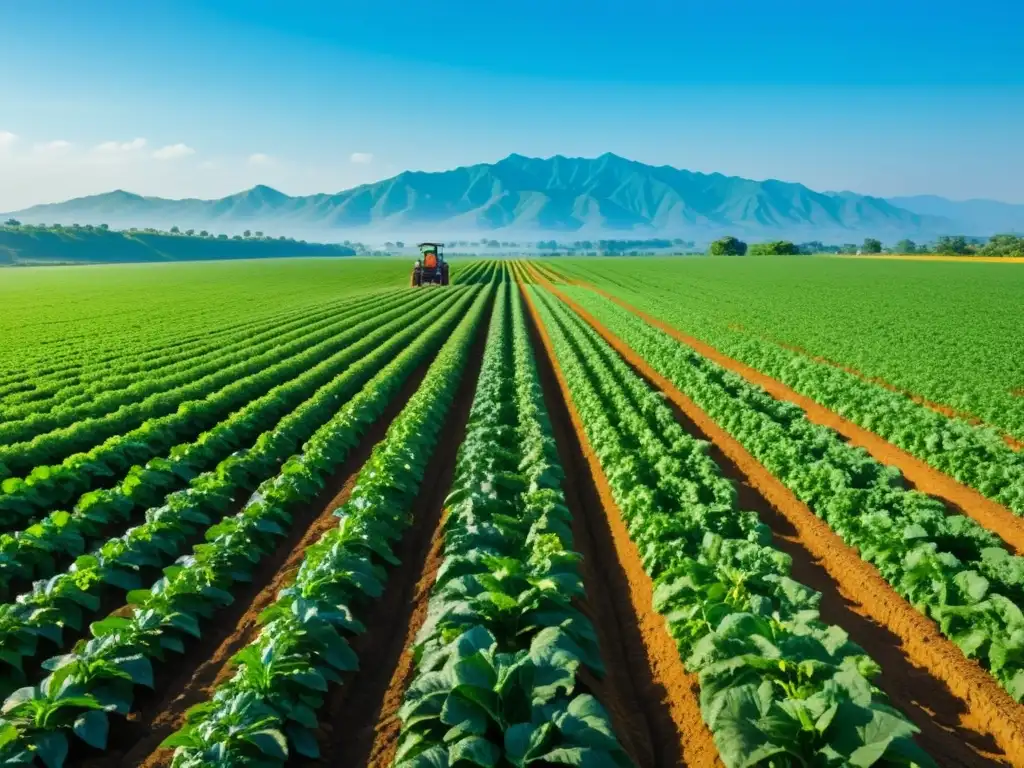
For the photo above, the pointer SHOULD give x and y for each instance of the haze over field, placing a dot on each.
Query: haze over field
(521, 196)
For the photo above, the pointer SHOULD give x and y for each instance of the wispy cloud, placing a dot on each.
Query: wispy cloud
(260, 159)
(115, 147)
(7, 140)
(51, 148)
(173, 152)
(362, 158)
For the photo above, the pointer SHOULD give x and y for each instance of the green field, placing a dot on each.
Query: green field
(299, 512)
(91, 312)
(951, 333)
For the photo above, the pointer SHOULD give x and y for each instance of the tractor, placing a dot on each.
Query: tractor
(431, 268)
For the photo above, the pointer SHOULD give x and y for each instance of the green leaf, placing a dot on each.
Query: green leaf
(474, 751)
(92, 728)
(270, 742)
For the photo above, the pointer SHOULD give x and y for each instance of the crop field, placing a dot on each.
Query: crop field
(600, 513)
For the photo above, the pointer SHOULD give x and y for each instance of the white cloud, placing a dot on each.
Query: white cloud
(7, 140)
(51, 148)
(363, 158)
(173, 152)
(115, 147)
(259, 159)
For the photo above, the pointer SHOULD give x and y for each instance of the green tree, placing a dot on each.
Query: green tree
(175, 230)
(871, 245)
(776, 248)
(955, 245)
(728, 246)
(12, 223)
(105, 227)
(246, 234)
(905, 246)
(1004, 245)
(190, 232)
(204, 233)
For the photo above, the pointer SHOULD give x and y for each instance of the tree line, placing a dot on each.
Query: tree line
(951, 245)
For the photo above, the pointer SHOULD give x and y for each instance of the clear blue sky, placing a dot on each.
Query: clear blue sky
(880, 96)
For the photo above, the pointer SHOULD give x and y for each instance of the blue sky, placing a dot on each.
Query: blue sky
(203, 99)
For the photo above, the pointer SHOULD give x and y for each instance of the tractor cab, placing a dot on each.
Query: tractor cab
(430, 268)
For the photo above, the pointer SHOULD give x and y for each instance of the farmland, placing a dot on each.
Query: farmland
(603, 513)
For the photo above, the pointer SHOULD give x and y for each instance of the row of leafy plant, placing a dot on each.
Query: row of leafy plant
(499, 653)
(67, 599)
(777, 685)
(37, 551)
(20, 458)
(44, 379)
(97, 678)
(50, 486)
(944, 563)
(976, 456)
(67, 401)
(268, 707)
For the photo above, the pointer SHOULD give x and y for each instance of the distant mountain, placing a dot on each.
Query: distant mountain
(967, 217)
(521, 195)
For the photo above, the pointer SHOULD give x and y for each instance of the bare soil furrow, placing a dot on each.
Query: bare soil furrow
(188, 680)
(359, 725)
(985, 718)
(666, 694)
(919, 474)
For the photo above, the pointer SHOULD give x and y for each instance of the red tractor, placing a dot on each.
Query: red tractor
(431, 268)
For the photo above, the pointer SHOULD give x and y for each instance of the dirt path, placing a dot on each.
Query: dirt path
(666, 693)
(359, 724)
(958, 497)
(207, 661)
(986, 718)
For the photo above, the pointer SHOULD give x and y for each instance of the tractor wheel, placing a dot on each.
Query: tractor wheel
(444, 277)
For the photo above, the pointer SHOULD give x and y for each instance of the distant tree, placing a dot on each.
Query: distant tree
(952, 244)
(258, 234)
(728, 246)
(190, 232)
(871, 245)
(1003, 245)
(204, 233)
(905, 246)
(12, 223)
(105, 227)
(776, 248)
(399, 244)
(222, 237)
(89, 228)
(175, 230)
(236, 237)
(389, 245)
(247, 234)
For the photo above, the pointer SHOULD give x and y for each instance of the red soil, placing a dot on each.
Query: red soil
(988, 711)
(670, 685)
(993, 516)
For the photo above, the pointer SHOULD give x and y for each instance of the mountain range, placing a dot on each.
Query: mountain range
(553, 197)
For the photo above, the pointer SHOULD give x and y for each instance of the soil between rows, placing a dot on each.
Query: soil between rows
(187, 680)
(658, 714)
(918, 474)
(974, 709)
(359, 724)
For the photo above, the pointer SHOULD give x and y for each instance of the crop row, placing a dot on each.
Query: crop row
(944, 563)
(776, 683)
(113, 385)
(57, 444)
(23, 385)
(303, 646)
(498, 656)
(36, 551)
(97, 678)
(49, 486)
(66, 599)
(974, 455)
